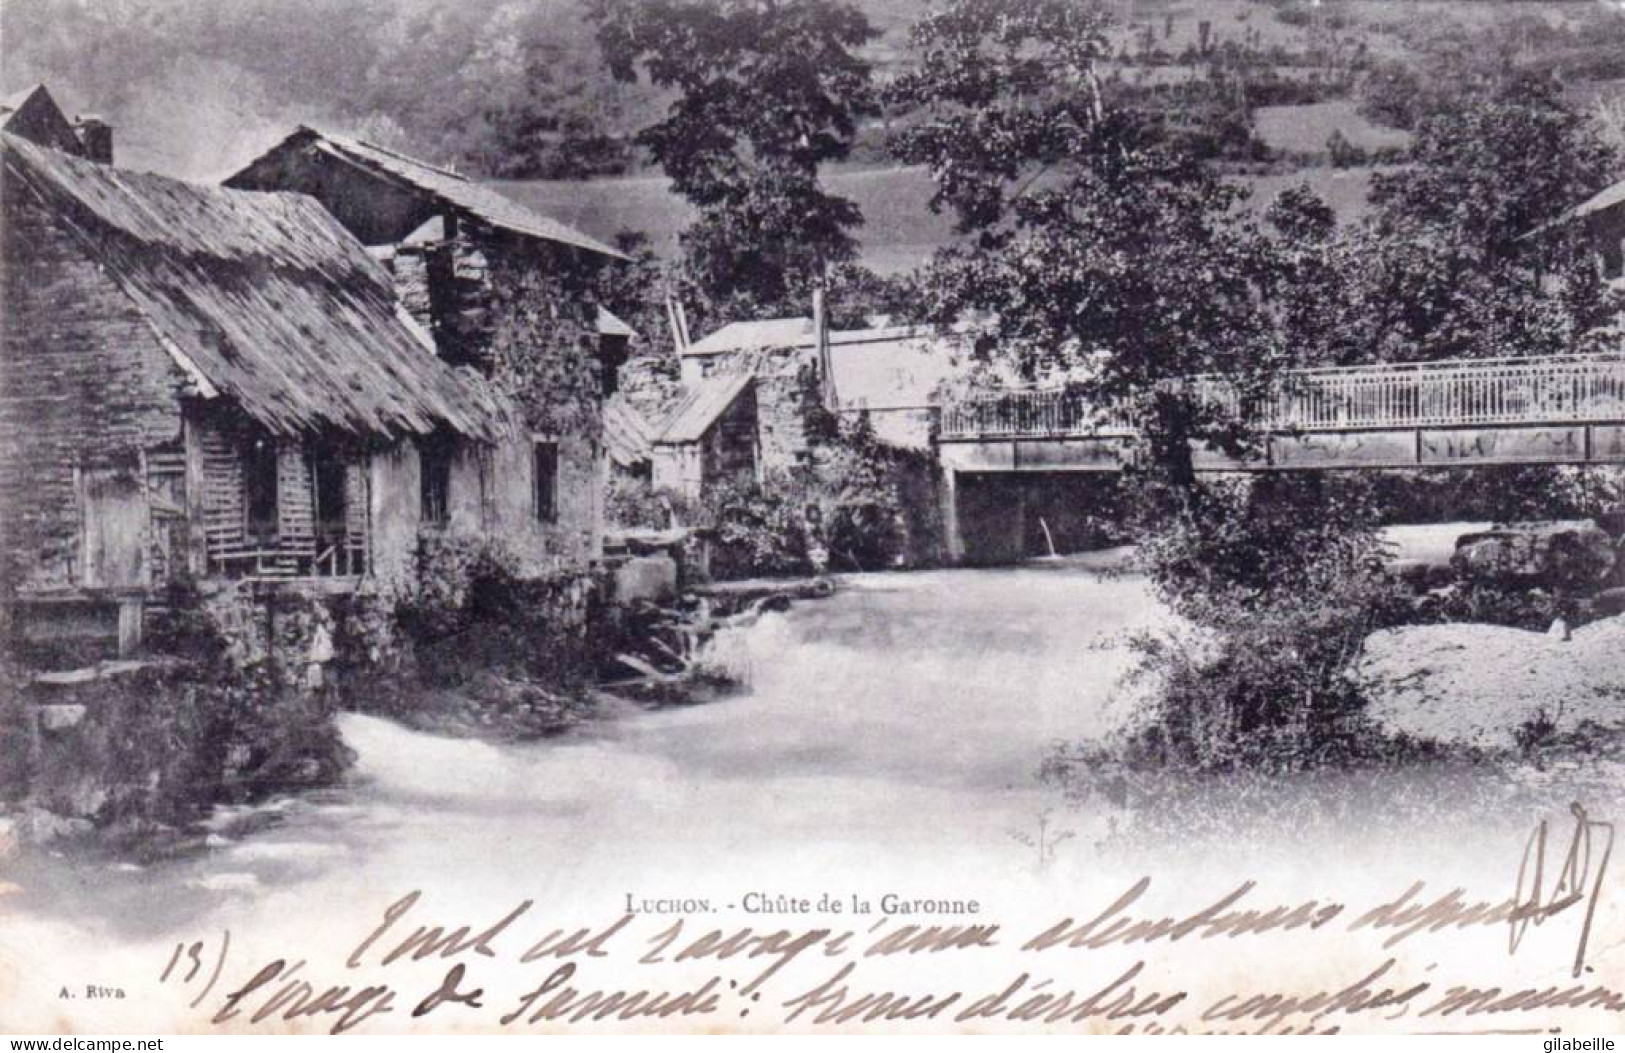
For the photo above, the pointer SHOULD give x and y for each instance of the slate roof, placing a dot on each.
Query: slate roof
(261, 298)
(692, 417)
(609, 325)
(451, 188)
(627, 436)
(33, 114)
(754, 336)
(1608, 197)
(888, 367)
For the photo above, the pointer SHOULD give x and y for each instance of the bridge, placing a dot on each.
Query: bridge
(1550, 410)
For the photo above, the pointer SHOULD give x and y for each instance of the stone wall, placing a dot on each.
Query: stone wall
(522, 313)
(791, 420)
(791, 417)
(651, 383)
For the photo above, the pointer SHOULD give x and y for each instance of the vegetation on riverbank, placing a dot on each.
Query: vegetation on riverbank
(858, 505)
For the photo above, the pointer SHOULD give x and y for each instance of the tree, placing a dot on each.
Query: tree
(1463, 256)
(1495, 166)
(766, 92)
(1093, 247)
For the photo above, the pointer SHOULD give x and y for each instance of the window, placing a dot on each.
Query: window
(260, 486)
(332, 516)
(545, 479)
(434, 460)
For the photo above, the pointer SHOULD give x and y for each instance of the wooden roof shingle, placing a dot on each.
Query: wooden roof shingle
(264, 296)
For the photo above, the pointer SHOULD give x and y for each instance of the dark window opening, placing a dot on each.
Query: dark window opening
(331, 500)
(434, 460)
(612, 354)
(260, 484)
(545, 476)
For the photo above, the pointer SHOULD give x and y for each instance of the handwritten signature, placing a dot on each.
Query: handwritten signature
(1578, 880)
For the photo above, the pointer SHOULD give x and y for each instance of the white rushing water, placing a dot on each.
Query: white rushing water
(889, 742)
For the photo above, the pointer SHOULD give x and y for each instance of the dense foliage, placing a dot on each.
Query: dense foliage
(1093, 245)
(546, 358)
(860, 505)
(1278, 579)
(765, 93)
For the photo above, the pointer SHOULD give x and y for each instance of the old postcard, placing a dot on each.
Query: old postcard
(712, 516)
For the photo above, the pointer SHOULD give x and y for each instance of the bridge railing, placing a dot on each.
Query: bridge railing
(1464, 392)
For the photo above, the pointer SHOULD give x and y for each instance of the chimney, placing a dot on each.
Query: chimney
(821, 341)
(96, 137)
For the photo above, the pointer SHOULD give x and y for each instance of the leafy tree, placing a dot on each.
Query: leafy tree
(1495, 166)
(1461, 257)
(1093, 247)
(635, 290)
(766, 92)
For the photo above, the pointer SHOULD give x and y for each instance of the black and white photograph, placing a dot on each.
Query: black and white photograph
(689, 517)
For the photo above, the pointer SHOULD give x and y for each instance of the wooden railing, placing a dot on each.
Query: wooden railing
(1558, 389)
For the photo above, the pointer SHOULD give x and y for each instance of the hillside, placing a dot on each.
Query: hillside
(901, 232)
(516, 88)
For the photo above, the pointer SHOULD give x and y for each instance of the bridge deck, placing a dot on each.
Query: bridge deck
(1568, 409)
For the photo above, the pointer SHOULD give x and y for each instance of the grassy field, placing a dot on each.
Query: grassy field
(901, 232)
(1304, 129)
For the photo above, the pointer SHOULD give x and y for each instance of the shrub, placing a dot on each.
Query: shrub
(1243, 541)
(1265, 684)
(470, 611)
(869, 505)
(635, 504)
(1279, 579)
(1490, 604)
(1499, 494)
(758, 528)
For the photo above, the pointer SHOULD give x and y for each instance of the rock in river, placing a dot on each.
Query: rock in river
(1574, 554)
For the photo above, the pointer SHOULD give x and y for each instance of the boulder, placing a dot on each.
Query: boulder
(1609, 603)
(1573, 555)
(1612, 523)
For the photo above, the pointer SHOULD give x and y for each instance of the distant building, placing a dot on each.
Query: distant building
(211, 385)
(455, 250)
(1602, 218)
(756, 402)
(33, 114)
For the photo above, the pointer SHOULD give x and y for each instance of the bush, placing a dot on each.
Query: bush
(1243, 541)
(1280, 579)
(1498, 494)
(759, 528)
(1490, 604)
(469, 611)
(633, 504)
(869, 506)
(1265, 685)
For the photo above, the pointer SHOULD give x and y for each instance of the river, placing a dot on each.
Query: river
(889, 741)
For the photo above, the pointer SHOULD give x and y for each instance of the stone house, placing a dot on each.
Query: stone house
(33, 114)
(757, 402)
(499, 288)
(1604, 219)
(220, 387)
(1601, 219)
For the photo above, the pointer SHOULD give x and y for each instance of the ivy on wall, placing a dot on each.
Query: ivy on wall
(543, 344)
